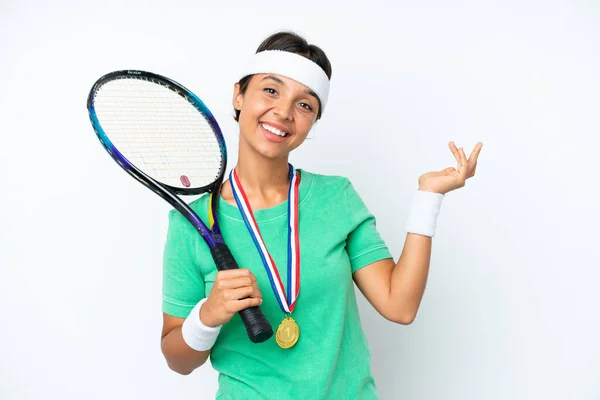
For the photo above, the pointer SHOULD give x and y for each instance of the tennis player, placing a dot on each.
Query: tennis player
(302, 240)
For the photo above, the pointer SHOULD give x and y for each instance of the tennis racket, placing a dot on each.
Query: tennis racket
(165, 137)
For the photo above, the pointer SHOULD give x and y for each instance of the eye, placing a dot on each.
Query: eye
(306, 106)
(270, 90)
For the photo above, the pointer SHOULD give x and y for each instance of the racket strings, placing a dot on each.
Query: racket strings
(159, 131)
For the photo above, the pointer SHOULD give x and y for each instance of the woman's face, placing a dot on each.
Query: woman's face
(276, 114)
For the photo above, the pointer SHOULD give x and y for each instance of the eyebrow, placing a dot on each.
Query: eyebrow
(276, 79)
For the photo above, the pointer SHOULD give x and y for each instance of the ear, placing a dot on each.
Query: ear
(238, 98)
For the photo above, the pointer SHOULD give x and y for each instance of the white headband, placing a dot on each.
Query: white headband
(293, 66)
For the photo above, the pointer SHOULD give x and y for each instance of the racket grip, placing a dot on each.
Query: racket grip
(257, 326)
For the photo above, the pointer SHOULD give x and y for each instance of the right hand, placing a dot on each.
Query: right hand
(233, 290)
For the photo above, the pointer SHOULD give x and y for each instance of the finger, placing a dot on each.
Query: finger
(245, 303)
(235, 273)
(475, 153)
(454, 150)
(472, 161)
(463, 164)
(242, 293)
(472, 174)
(234, 283)
(449, 170)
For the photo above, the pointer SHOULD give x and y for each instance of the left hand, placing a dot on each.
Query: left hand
(451, 178)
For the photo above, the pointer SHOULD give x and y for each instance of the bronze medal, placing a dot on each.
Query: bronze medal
(287, 333)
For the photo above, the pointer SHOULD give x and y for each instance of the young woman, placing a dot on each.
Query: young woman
(313, 239)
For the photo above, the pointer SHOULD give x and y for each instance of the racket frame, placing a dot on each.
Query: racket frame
(257, 326)
(167, 192)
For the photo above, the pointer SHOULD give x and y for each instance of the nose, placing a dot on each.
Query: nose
(284, 109)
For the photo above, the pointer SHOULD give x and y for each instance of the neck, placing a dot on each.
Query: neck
(265, 180)
(260, 175)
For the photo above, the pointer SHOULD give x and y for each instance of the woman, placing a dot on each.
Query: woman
(303, 282)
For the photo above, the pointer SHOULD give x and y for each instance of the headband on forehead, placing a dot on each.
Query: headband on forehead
(293, 66)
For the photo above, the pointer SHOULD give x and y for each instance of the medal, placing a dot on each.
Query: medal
(288, 331)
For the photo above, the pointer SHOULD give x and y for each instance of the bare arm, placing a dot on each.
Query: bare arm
(396, 289)
(180, 357)
(232, 291)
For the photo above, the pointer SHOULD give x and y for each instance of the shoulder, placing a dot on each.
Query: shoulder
(332, 183)
(337, 190)
(200, 205)
(179, 222)
(333, 193)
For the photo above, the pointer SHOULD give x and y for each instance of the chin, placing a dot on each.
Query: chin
(258, 144)
(271, 153)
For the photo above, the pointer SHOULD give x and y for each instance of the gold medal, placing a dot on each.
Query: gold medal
(287, 333)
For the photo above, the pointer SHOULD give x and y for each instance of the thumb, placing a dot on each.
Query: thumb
(449, 170)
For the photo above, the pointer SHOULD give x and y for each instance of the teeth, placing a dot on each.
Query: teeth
(274, 130)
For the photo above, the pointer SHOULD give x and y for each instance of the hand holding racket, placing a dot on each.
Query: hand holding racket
(232, 291)
(165, 137)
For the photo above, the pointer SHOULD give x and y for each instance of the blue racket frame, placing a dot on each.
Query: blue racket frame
(257, 326)
(214, 236)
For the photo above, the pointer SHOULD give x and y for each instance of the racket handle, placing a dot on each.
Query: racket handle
(257, 326)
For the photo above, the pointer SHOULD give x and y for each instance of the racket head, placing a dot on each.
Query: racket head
(141, 119)
(158, 130)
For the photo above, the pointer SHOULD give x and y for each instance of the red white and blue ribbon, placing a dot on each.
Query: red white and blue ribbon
(286, 302)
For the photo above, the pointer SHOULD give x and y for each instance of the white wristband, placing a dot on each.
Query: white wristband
(197, 335)
(423, 214)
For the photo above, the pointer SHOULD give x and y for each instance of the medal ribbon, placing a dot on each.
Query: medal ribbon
(288, 303)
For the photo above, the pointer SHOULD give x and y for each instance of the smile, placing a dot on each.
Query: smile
(273, 130)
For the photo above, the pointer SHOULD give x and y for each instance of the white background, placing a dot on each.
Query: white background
(511, 309)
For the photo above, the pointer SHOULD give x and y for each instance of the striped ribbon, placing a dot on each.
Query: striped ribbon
(287, 302)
